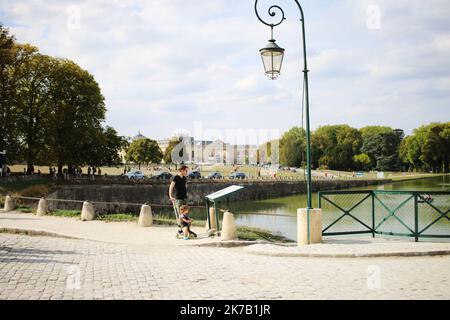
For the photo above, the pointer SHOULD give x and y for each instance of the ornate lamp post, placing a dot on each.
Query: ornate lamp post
(272, 56)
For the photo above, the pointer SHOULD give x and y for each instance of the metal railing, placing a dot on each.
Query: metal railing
(415, 214)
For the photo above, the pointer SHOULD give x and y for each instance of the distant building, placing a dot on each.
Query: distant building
(209, 152)
(139, 136)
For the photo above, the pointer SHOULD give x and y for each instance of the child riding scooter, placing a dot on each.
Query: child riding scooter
(185, 224)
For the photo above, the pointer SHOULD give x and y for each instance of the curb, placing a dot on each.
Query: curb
(229, 244)
(425, 253)
(36, 233)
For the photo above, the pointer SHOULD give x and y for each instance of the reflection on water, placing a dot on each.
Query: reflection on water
(282, 211)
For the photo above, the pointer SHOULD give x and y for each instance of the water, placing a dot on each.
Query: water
(279, 214)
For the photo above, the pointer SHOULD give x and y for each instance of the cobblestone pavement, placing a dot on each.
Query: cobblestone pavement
(55, 268)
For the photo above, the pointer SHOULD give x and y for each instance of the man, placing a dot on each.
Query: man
(179, 186)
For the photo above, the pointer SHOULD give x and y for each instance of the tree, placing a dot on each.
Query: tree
(77, 113)
(410, 153)
(335, 146)
(144, 151)
(106, 148)
(384, 148)
(362, 162)
(33, 109)
(292, 148)
(368, 133)
(51, 110)
(435, 146)
(9, 139)
(174, 142)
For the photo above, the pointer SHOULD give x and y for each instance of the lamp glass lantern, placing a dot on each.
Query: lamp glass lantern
(272, 56)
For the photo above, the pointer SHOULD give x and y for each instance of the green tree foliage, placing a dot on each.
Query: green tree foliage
(335, 146)
(51, 110)
(168, 152)
(410, 152)
(292, 148)
(104, 151)
(368, 133)
(428, 148)
(384, 149)
(362, 162)
(8, 65)
(76, 117)
(33, 109)
(144, 151)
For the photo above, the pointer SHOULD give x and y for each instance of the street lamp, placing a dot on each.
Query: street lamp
(272, 56)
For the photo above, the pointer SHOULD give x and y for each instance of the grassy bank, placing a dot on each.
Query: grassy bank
(27, 188)
(416, 176)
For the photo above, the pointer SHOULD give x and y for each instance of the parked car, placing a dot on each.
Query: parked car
(237, 175)
(162, 175)
(215, 175)
(135, 175)
(195, 175)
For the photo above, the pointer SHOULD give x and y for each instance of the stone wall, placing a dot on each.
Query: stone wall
(157, 192)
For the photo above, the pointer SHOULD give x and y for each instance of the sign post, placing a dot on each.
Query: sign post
(214, 200)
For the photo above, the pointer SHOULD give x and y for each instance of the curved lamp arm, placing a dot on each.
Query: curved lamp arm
(273, 11)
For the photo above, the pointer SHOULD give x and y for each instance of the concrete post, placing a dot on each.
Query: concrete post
(88, 212)
(212, 218)
(145, 217)
(229, 230)
(315, 226)
(42, 209)
(9, 204)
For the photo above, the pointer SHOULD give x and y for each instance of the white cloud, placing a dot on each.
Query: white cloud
(163, 64)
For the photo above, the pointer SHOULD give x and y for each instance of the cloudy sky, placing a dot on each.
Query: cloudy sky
(171, 65)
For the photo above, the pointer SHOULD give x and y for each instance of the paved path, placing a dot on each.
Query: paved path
(56, 268)
(123, 232)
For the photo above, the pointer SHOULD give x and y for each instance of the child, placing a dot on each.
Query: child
(185, 221)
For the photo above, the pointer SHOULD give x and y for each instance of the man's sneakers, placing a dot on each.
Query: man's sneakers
(186, 238)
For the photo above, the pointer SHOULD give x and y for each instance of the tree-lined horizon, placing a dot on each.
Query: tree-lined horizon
(381, 148)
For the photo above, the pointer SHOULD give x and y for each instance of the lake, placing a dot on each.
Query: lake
(279, 214)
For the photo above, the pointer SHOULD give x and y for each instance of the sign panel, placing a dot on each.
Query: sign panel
(224, 193)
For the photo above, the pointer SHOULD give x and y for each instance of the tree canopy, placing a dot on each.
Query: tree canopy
(51, 110)
(144, 151)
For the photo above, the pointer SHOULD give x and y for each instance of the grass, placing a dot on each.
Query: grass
(117, 217)
(24, 209)
(28, 188)
(413, 176)
(65, 213)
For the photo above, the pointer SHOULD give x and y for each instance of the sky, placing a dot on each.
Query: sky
(170, 66)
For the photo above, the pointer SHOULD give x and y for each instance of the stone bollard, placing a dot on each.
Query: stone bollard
(315, 226)
(212, 218)
(145, 217)
(9, 204)
(229, 231)
(88, 212)
(42, 209)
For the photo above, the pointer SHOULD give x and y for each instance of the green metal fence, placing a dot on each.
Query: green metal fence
(415, 214)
